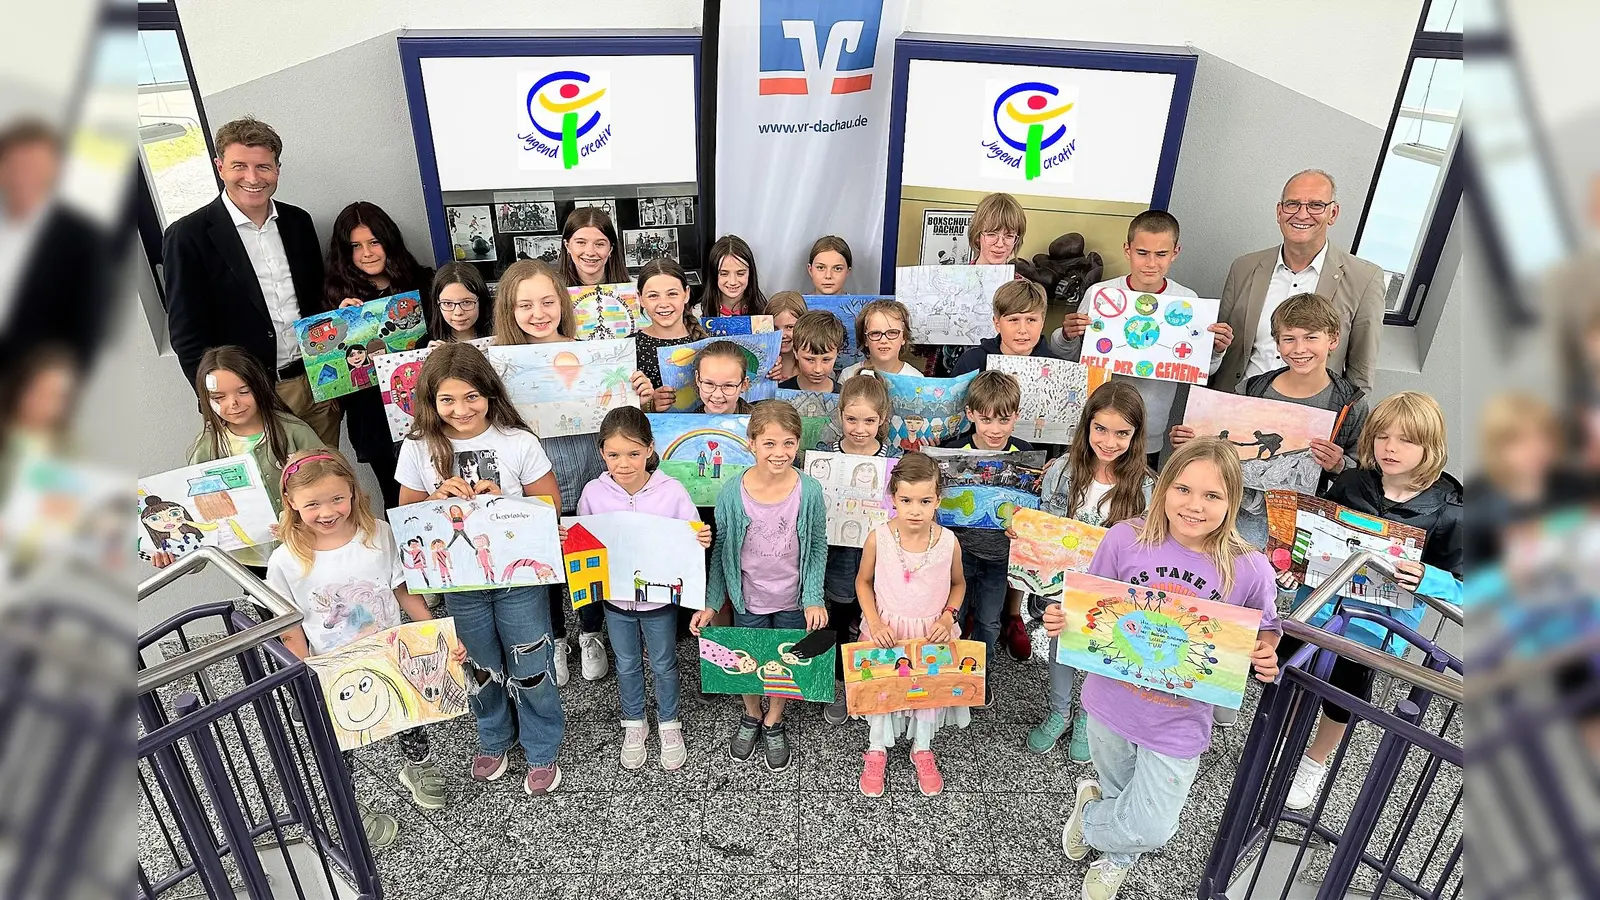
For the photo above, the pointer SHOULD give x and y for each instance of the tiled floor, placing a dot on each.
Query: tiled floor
(719, 828)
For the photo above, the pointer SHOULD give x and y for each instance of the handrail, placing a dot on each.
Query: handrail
(1298, 624)
(285, 615)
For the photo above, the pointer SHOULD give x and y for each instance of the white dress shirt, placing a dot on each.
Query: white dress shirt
(1284, 284)
(264, 246)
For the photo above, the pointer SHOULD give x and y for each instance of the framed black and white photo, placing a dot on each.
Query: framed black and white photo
(471, 233)
(644, 244)
(609, 204)
(545, 247)
(666, 211)
(525, 211)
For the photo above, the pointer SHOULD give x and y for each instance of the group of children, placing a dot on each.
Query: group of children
(768, 561)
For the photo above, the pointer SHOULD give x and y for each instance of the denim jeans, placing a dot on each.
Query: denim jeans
(839, 578)
(631, 634)
(986, 595)
(1142, 791)
(785, 618)
(1062, 680)
(507, 636)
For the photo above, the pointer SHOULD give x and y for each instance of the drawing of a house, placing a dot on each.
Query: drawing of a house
(588, 566)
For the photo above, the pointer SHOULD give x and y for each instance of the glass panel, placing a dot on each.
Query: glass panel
(170, 139)
(1447, 15)
(1412, 169)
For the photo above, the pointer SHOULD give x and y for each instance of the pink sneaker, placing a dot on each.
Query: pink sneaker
(928, 777)
(542, 779)
(488, 766)
(873, 764)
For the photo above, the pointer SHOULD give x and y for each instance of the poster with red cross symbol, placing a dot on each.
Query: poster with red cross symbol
(1159, 336)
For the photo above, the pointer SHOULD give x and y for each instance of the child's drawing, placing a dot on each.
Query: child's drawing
(702, 452)
(567, 388)
(985, 488)
(1054, 392)
(722, 326)
(912, 674)
(778, 662)
(845, 308)
(606, 311)
(677, 367)
(1158, 640)
(855, 489)
(925, 411)
(810, 403)
(1149, 335)
(1046, 548)
(471, 233)
(392, 681)
(629, 557)
(473, 545)
(1273, 437)
(397, 375)
(339, 347)
(218, 504)
(1312, 537)
(950, 304)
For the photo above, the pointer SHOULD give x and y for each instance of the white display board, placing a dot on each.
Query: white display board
(497, 122)
(1101, 131)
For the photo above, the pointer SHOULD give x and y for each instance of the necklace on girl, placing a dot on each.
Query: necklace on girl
(906, 569)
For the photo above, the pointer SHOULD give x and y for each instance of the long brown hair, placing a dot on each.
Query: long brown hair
(271, 409)
(467, 363)
(871, 390)
(292, 531)
(467, 275)
(888, 308)
(1224, 545)
(591, 217)
(1126, 498)
(754, 302)
(631, 423)
(663, 266)
(506, 330)
(345, 280)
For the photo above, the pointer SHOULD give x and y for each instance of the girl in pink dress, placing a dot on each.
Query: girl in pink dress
(910, 585)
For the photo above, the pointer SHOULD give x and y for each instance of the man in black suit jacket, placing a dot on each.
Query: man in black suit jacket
(241, 269)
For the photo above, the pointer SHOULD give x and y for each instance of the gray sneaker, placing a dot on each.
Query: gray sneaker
(1223, 717)
(837, 712)
(743, 744)
(775, 741)
(381, 828)
(425, 783)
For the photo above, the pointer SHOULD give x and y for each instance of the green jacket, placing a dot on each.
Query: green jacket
(723, 580)
(299, 437)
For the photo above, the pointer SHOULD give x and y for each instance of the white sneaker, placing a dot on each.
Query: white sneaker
(1103, 880)
(593, 654)
(635, 732)
(1072, 842)
(559, 656)
(1307, 784)
(673, 751)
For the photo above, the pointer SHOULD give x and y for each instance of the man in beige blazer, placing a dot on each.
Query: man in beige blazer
(1305, 262)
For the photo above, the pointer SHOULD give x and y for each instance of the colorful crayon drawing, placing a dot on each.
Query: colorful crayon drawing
(985, 488)
(1046, 548)
(845, 308)
(339, 347)
(855, 489)
(819, 404)
(723, 326)
(397, 375)
(607, 311)
(391, 681)
(778, 662)
(703, 452)
(629, 557)
(216, 504)
(1311, 537)
(474, 545)
(912, 674)
(926, 411)
(1054, 392)
(677, 367)
(950, 304)
(1273, 437)
(568, 387)
(1149, 335)
(1158, 640)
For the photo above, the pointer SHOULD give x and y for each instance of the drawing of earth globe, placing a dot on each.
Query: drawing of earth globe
(1180, 313)
(1141, 332)
(1145, 305)
(1103, 345)
(1097, 325)
(1145, 368)
(1153, 640)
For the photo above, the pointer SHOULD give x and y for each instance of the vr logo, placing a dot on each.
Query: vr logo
(818, 46)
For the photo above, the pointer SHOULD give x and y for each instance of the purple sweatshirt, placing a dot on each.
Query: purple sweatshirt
(660, 496)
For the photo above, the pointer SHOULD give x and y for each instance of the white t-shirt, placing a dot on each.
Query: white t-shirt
(852, 371)
(349, 592)
(1284, 284)
(1158, 395)
(1090, 511)
(510, 459)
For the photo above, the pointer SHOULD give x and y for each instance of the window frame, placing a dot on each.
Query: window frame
(1436, 225)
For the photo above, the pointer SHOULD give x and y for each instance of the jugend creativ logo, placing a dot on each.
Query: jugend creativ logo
(1026, 120)
(570, 121)
(810, 47)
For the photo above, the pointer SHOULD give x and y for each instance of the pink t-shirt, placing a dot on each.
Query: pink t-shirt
(769, 561)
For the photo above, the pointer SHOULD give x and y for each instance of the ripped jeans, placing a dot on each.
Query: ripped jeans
(507, 636)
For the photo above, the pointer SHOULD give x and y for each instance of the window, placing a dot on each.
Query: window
(1417, 186)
